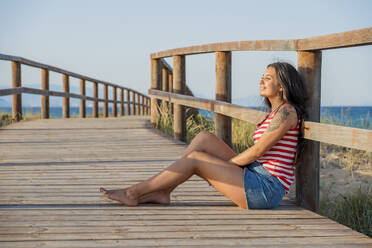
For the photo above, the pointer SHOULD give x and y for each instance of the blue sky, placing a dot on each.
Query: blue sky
(112, 41)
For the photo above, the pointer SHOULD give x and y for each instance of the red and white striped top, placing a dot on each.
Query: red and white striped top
(280, 158)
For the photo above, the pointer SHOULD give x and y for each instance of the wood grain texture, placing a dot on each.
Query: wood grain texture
(352, 38)
(223, 93)
(307, 173)
(66, 99)
(179, 86)
(16, 98)
(51, 169)
(44, 99)
(105, 104)
(155, 84)
(82, 101)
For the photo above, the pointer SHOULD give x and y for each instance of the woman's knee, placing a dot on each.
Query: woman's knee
(203, 136)
(195, 155)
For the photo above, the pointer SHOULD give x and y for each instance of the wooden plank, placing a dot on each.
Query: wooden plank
(360, 37)
(11, 91)
(338, 135)
(352, 38)
(163, 228)
(199, 242)
(63, 94)
(257, 45)
(343, 234)
(232, 110)
(49, 194)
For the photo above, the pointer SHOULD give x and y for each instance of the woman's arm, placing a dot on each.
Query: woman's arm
(285, 119)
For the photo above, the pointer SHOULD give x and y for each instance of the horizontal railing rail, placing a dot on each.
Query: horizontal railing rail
(338, 135)
(136, 103)
(353, 38)
(309, 53)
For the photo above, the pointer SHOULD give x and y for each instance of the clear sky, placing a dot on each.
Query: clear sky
(112, 41)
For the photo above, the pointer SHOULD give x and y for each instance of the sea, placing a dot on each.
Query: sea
(351, 116)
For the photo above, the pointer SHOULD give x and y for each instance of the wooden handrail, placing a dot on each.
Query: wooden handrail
(309, 61)
(20, 90)
(338, 135)
(359, 37)
(17, 90)
(59, 70)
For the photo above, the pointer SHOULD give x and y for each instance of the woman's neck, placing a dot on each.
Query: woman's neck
(275, 103)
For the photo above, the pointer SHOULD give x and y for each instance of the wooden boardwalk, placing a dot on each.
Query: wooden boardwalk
(51, 170)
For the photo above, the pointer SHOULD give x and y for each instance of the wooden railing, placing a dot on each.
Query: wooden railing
(309, 66)
(136, 103)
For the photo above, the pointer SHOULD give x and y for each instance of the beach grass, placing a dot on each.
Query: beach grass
(353, 209)
(6, 118)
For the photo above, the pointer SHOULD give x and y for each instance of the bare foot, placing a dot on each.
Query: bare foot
(159, 197)
(120, 195)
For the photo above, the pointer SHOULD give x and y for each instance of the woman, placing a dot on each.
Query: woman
(256, 178)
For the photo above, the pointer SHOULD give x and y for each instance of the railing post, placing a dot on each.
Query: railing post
(114, 105)
(179, 84)
(143, 105)
(95, 103)
(155, 84)
(128, 102)
(164, 80)
(105, 104)
(121, 102)
(44, 99)
(170, 89)
(133, 103)
(223, 93)
(82, 101)
(307, 173)
(66, 100)
(148, 105)
(17, 98)
(137, 104)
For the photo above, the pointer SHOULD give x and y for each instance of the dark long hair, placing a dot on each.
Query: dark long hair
(294, 94)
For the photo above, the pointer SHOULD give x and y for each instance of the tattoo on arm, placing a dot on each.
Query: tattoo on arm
(279, 118)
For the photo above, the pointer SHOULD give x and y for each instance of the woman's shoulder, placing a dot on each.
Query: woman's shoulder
(287, 113)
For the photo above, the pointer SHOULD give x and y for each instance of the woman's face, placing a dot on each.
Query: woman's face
(269, 84)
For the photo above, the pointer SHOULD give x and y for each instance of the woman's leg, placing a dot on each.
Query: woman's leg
(208, 142)
(226, 177)
(204, 141)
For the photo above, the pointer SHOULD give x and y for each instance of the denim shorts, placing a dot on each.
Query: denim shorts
(262, 190)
